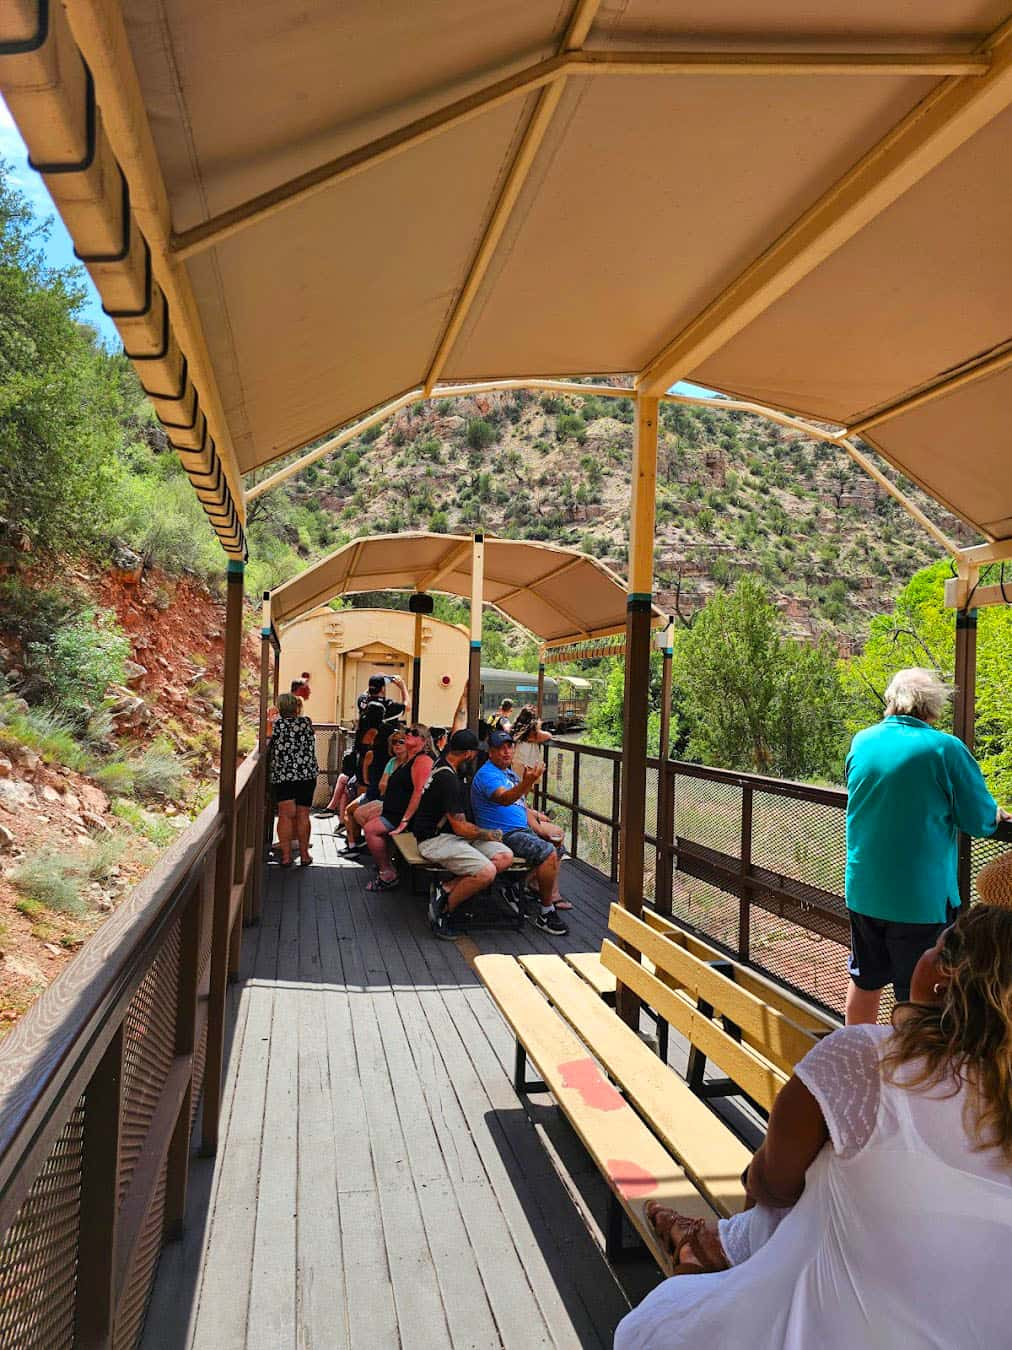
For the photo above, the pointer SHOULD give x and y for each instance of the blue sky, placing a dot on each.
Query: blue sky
(60, 250)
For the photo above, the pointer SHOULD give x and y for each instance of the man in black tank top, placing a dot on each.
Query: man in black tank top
(446, 836)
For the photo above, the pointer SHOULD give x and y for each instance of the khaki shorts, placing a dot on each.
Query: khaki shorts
(459, 856)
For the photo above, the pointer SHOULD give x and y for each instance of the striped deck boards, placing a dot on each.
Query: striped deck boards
(378, 1184)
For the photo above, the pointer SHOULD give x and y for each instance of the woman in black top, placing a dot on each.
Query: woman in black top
(292, 770)
(400, 800)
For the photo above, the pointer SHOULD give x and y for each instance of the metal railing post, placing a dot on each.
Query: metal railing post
(574, 832)
(745, 899)
(616, 807)
(98, 1226)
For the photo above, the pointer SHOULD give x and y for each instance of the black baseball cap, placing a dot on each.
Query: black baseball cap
(462, 741)
(500, 738)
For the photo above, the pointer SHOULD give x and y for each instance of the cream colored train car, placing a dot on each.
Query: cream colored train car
(341, 648)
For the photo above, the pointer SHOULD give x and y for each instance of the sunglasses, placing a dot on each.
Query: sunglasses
(415, 731)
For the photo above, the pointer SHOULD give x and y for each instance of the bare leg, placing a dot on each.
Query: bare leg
(302, 829)
(286, 828)
(464, 887)
(376, 842)
(862, 1005)
(547, 875)
(337, 798)
(350, 823)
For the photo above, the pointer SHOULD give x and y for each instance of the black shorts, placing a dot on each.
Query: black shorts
(883, 952)
(299, 790)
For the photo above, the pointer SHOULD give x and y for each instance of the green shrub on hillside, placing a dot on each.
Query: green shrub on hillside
(53, 880)
(480, 434)
(82, 658)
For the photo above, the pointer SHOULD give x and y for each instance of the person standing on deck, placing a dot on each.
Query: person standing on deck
(911, 789)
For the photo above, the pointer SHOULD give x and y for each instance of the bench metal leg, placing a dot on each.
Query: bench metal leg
(616, 1249)
(520, 1082)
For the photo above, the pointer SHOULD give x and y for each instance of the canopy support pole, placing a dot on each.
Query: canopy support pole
(224, 862)
(964, 717)
(260, 817)
(639, 613)
(665, 780)
(416, 671)
(474, 660)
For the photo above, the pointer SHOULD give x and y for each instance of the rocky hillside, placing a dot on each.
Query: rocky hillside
(86, 809)
(735, 494)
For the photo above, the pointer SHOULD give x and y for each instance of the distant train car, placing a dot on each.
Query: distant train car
(574, 702)
(522, 688)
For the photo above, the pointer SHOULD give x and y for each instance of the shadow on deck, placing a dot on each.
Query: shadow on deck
(378, 1183)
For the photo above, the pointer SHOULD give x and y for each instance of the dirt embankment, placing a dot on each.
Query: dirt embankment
(62, 822)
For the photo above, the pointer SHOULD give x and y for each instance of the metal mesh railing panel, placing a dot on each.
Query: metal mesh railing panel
(596, 777)
(813, 964)
(149, 1038)
(136, 1295)
(328, 757)
(713, 912)
(709, 813)
(560, 784)
(38, 1255)
(804, 840)
(650, 853)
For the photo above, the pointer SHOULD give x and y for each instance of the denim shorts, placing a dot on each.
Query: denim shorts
(528, 846)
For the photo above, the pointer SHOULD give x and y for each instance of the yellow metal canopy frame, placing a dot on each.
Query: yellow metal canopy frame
(558, 594)
(805, 208)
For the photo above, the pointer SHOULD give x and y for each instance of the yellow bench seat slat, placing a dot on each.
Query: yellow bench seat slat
(711, 1155)
(589, 968)
(631, 1159)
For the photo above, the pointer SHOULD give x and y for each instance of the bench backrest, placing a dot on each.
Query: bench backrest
(770, 1043)
(804, 1015)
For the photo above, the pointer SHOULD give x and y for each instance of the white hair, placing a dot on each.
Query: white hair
(916, 692)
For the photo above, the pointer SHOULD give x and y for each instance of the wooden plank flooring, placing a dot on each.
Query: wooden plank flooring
(378, 1184)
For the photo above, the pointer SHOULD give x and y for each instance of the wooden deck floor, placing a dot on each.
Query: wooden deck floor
(378, 1184)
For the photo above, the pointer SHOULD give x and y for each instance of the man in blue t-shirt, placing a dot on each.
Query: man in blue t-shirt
(497, 803)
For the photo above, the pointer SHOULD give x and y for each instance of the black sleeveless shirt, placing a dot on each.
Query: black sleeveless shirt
(398, 793)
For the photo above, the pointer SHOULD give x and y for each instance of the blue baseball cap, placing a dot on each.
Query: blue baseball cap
(499, 739)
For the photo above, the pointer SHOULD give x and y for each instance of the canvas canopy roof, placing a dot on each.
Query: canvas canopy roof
(555, 593)
(301, 211)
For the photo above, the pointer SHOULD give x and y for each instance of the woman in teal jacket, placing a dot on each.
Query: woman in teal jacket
(911, 790)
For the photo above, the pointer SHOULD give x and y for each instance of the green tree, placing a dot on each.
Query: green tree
(920, 631)
(60, 392)
(752, 697)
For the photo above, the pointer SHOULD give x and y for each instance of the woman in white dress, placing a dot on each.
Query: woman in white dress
(882, 1194)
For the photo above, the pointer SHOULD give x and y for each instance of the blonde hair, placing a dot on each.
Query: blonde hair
(967, 1038)
(916, 692)
(288, 705)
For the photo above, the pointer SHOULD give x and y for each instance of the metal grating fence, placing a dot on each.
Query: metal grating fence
(149, 1036)
(38, 1254)
(100, 1084)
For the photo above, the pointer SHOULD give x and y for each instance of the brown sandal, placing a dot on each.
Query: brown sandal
(681, 1232)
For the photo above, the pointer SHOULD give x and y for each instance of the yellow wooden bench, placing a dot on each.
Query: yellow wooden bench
(614, 1089)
